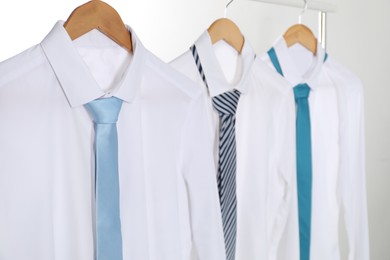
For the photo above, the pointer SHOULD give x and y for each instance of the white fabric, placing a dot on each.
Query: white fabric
(264, 136)
(168, 195)
(337, 131)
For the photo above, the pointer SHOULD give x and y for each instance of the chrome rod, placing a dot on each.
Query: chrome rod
(322, 28)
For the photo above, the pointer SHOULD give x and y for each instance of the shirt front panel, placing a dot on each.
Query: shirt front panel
(258, 127)
(333, 88)
(47, 166)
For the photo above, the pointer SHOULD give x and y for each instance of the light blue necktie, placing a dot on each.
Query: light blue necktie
(105, 113)
(304, 159)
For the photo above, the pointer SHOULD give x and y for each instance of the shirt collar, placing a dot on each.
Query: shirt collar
(215, 77)
(290, 72)
(74, 76)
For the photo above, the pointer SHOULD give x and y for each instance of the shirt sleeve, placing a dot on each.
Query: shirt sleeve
(198, 167)
(352, 174)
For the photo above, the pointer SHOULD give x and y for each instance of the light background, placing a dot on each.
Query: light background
(358, 37)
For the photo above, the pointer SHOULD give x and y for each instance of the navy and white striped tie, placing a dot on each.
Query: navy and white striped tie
(226, 105)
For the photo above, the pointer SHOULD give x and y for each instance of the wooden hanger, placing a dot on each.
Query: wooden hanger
(301, 34)
(97, 14)
(225, 29)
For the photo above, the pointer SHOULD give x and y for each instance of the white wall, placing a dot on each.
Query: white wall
(358, 36)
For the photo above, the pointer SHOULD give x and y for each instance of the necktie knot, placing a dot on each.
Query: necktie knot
(226, 103)
(104, 110)
(301, 91)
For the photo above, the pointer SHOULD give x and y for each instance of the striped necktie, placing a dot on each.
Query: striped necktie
(105, 113)
(226, 105)
(304, 159)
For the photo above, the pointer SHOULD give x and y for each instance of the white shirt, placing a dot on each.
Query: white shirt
(265, 149)
(337, 136)
(168, 197)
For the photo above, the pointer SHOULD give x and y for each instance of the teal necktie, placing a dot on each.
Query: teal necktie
(304, 167)
(105, 113)
(304, 163)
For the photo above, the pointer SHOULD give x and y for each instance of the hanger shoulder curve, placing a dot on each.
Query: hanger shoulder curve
(97, 14)
(300, 33)
(227, 30)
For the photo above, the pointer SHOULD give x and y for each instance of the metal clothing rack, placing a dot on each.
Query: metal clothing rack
(322, 6)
